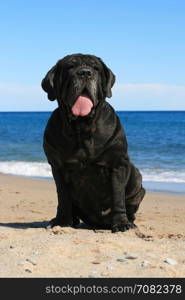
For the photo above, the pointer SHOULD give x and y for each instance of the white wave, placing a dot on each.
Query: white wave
(23, 168)
(43, 169)
(162, 175)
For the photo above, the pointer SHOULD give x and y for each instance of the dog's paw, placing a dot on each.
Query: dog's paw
(76, 222)
(123, 227)
(57, 222)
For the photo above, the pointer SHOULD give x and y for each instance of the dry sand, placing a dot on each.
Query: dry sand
(27, 249)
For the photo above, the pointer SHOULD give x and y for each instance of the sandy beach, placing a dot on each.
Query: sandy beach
(27, 249)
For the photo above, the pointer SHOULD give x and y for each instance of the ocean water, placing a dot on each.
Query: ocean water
(156, 146)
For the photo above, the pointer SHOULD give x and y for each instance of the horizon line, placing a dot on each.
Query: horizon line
(46, 111)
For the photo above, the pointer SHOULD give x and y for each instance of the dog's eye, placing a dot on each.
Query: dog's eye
(96, 67)
(70, 67)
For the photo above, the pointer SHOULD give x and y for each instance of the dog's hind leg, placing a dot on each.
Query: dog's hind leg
(131, 210)
(133, 203)
(120, 220)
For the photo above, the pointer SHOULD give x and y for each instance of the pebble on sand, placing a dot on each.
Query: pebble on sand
(28, 271)
(104, 274)
(95, 262)
(144, 264)
(111, 267)
(20, 263)
(121, 259)
(31, 260)
(170, 261)
(131, 256)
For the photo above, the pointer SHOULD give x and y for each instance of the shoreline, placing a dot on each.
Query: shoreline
(159, 187)
(28, 249)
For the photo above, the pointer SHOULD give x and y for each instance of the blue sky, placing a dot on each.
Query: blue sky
(142, 41)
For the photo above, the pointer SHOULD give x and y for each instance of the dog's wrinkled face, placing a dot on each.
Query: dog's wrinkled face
(79, 81)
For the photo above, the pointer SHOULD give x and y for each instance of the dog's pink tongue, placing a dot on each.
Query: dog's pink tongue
(82, 106)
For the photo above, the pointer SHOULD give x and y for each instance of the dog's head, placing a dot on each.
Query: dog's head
(80, 82)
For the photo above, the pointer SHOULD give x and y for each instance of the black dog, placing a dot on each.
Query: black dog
(87, 149)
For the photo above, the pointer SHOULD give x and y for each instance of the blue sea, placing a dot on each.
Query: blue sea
(156, 146)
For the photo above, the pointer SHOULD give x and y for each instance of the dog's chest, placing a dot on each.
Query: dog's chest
(90, 187)
(84, 142)
(85, 151)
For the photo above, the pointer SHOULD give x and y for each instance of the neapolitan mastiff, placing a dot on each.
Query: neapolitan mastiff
(86, 147)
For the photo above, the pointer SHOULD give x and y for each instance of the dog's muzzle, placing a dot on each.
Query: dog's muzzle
(83, 104)
(84, 73)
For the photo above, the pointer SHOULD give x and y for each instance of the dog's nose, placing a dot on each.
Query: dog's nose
(84, 73)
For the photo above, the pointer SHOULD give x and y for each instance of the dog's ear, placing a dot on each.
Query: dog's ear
(48, 83)
(110, 79)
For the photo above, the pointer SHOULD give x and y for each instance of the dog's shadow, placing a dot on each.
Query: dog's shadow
(26, 225)
(37, 224)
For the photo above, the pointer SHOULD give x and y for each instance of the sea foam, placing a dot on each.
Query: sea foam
(43, 169)
(23, 168)
(162, 175)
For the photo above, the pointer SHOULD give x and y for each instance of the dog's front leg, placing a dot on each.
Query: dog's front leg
(64, 216)
(120, 221)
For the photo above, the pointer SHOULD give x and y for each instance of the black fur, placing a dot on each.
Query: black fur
(95, 179)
